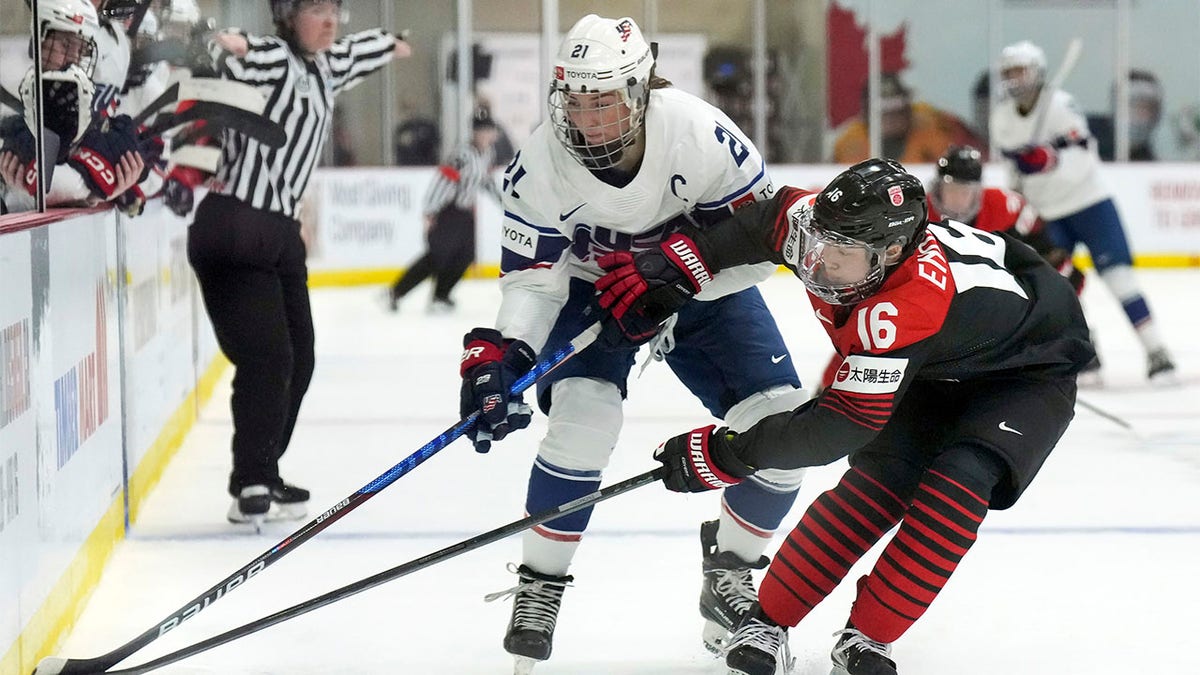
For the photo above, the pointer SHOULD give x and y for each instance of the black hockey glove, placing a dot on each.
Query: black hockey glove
(490, 366)
(99, 153)
(702, 459)
(655, 283)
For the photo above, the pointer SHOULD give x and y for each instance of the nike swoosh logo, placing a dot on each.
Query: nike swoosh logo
(777, 359)
(563, 216)
(1004, 427)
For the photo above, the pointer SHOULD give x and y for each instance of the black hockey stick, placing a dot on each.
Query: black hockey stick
(164, 99)
(1103, 413)
(53, 665)
(10, 100)
(250, 124)
(407, 568)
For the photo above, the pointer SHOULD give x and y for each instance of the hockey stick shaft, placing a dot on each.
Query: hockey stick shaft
(55, 665)
(1090, 407)
(9, 99)
(400, 571)
(1074, 49)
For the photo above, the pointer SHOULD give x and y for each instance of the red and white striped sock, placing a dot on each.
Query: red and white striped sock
(840, 526)
(935, 534)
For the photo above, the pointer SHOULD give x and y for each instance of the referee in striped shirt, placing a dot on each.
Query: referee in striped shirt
(245, 244)
(450, 216)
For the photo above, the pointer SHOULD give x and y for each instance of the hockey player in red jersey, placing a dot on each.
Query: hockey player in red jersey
(958, 193)
(961, 354)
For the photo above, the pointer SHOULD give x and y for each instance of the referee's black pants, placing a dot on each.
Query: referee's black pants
(254, 280)
(451, 251)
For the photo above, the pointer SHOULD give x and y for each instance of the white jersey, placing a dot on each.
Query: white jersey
(1073, 184)
(559, 218)
(112, 67)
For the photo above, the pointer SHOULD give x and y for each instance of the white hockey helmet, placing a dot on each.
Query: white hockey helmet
(599, 56)
(68, 98)
(1022, 69)
(72, 17)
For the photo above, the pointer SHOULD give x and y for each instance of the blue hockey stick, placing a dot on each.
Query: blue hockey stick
(53, 665)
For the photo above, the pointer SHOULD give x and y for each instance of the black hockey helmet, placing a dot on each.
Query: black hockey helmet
(876, 202)
(962, 168)
(856, 221)
(282, 12)
(961, 163)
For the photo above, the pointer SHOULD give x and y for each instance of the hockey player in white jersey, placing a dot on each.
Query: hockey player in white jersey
(622, 163)
(1054, 163)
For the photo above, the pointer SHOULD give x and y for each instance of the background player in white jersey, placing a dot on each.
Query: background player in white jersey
(1054, 161)
(622, 164)
(961, 350)
(97, 158)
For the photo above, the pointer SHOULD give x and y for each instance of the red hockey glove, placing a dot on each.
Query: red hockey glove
(702, 459)
(179, 189)
(490, 366)
(657, 282)
(1035, 159)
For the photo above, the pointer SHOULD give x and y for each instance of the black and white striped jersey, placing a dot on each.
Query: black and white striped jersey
(459, 180)
(300, 95)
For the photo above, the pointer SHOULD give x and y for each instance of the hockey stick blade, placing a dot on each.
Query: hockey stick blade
(405, 569)
(221, 115)
(55, 665)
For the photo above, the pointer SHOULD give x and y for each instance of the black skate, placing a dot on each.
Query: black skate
(250, 506)
(728, 590)
(758, 646)
(291, 502)
(536, 600)
(857, 654)
(1160, 369)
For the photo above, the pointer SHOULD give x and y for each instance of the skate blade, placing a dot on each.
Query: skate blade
(523, 665)
(716, 638)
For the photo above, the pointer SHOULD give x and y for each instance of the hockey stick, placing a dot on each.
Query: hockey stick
(53, 665)
(1105, 414)
(1074, 49)
(164, 99)
(10, 100)
(244, 122)
(405, 569)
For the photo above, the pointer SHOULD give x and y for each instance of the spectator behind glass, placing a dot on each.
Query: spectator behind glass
(1145, 112)
(912, 132)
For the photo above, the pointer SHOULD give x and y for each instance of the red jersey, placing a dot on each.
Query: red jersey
(1000, 210)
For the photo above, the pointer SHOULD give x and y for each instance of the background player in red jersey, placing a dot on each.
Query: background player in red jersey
(961, 353)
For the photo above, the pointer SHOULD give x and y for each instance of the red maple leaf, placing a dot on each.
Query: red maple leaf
(846, 60)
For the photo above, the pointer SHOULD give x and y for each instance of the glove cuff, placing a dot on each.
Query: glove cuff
(519, 356)
(683, 253)
(704, 453)
(726, 457)
(481, 345)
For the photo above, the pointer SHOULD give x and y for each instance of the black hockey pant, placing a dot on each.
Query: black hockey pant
(451, 251)
(254, 280)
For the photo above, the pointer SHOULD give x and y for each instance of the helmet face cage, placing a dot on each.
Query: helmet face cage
(958, 192)
(1022, 69)
(615, 116)
(68, 34)
(600, 89)
(67, 103)
(838, 269)
(873, 205)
